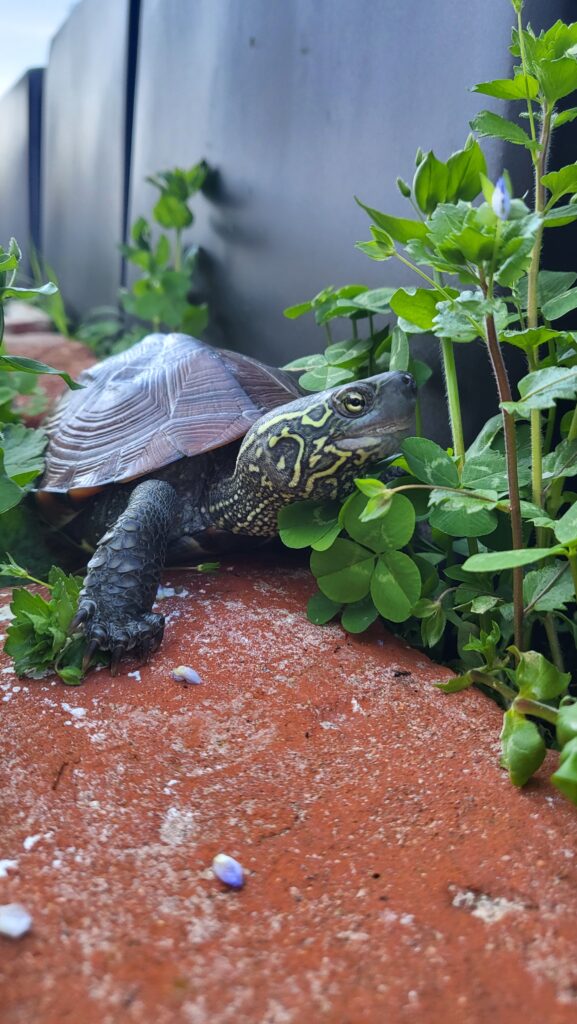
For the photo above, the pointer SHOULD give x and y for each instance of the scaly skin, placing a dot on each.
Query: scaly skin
(123, 576)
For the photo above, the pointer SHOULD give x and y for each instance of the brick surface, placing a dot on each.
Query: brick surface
(393, 873)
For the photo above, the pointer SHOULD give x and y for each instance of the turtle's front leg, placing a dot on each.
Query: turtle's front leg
(123, 576)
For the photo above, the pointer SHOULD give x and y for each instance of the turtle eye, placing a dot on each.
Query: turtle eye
(352, 403)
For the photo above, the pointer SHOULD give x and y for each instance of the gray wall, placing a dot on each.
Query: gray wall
(299, 106)
(20, 125)
(84, 153)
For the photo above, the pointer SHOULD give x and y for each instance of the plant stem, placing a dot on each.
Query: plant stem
(536, 442)
(526, 706)
(486, 679)
(178, 249)
(452, 386)
(553, 639)
(504, 389)
(453, 401)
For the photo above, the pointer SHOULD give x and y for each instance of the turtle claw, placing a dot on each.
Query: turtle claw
(85, 611)
(124, 638)
(91, 647)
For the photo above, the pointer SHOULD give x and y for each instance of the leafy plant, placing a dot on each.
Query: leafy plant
(490, 574)
(159, 297)
(37, 637)
(20, 447)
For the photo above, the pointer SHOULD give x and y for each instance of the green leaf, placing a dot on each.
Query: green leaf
(359, 616)
(519, 88)
(377, 300)
(464, 169)
(171, 212)
(399, 228)
(23, 452)
(430, 183)
(560, 216)
(561, 304)
(537, 678)
(321, 609)
(523, 747)
(529, 339)
(399, 350)
(395, 586)
(494, 126)
(25, 365)
(565, 528)
(485, 472)
(323, 377)
(429, 462)
(309, 523)
(562, 461)
(293, 312)
(497, 561)
(417, 306)
(344, 572)
(548, 589)
(312, 362)
(484, 603)
(542, 388)
(557, 78)
(24, 294)
(565, 778)
(564, 117)
(371, 487)
(388, 533)
(10, 493)
(566, 725)
(433, 626)
(463, 523)
(562, 182)
(456, 684)
(550, 284)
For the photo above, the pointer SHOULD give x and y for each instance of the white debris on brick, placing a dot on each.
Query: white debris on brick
(6, 866)
(31, 841)
(15, 920)
(75, 712)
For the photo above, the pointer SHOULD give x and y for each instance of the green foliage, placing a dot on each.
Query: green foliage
(160, 297)
(37, 638)
(489, 580)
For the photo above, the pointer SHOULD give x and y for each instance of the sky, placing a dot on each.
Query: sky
(27, 28)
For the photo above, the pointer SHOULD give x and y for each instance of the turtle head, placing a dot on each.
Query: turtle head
(314, 447)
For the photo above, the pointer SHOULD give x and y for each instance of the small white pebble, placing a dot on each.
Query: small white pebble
(31, 841)
(15, 921)
(185, 674)
(228, 870)
(135, 675)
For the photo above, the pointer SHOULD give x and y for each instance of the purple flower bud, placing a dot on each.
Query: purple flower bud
(501, 200)
(185, 674)
(228, 870)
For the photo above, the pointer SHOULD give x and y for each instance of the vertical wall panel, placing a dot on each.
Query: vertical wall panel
(85, 150)
(299, 106)
(20, 147)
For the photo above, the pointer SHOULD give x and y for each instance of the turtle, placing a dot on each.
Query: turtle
(173, 450)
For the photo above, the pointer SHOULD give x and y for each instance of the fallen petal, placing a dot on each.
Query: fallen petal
(228, 870)
(185, 674)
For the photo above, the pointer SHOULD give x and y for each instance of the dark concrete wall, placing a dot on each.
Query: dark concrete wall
(86, 150)
(20, 127)
(299, 106)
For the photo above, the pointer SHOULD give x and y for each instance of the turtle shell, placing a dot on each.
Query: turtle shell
(168, 397)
